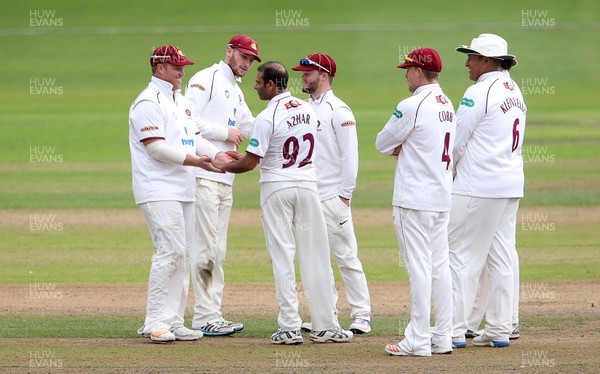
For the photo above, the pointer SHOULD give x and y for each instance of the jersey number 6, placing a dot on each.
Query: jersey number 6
(515, 135)
(291, 148)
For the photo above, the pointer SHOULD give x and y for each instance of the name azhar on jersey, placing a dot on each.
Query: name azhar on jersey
(298, 119)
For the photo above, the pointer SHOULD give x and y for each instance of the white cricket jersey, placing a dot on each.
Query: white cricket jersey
(337, 143)
(218, 104)
(490, 131)
(161, 114)
(425, 125)
(283, 136)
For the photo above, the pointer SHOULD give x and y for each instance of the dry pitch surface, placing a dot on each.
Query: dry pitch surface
(568, 345)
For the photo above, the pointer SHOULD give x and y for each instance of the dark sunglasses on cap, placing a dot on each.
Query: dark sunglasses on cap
(308, 62)
(410, 59)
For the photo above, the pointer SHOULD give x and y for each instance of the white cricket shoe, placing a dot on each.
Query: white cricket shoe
(514, 333)
(395, 350)
(436, 349)
(360, 326)
(183, 333)
(486, 341)
(162, 336)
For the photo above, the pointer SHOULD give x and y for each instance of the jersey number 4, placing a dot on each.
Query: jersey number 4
(445, 154)
(291, 148)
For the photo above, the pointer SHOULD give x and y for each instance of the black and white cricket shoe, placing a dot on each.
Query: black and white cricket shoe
(217, 328)
(336, 335)
(287, 337)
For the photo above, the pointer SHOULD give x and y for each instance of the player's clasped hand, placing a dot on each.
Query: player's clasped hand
(235, 136)
(221, 160)
(208, 163)
(235, 155)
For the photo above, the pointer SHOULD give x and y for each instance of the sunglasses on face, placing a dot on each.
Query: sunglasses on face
(307, 62)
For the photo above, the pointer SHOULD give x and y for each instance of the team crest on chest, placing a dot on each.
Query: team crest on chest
(227, 94)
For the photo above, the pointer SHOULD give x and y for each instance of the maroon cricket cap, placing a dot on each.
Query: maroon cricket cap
(424, 58)
(169, 54)
(245, 44)
(317, 61)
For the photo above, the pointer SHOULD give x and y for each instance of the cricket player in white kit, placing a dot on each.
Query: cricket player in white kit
(421, 134)
(162, 138)
(488, 185)
(337, 168)
(283, 141)
(223, 117)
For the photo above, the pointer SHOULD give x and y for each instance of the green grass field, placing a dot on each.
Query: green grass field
(72, 68)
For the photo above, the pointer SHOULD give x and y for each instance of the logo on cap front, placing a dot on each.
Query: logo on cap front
(253, 45)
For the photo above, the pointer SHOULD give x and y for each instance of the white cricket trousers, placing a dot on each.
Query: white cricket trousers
(171, 225)
(293, 219)
(423, 239)
(343, 245)
(482, 232)
(212, 209)
(483, 293)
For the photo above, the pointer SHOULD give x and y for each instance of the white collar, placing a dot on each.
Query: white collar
(228, 73)
(425, 87)
(165, 87)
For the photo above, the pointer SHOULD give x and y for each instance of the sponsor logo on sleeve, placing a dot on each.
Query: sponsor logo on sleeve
(467, 102)
(254, 142)
(397, 113)
(149, 128)
(198, 86)
(348, 123)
